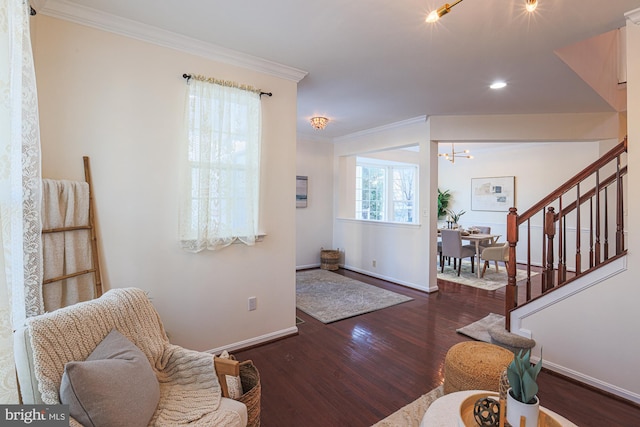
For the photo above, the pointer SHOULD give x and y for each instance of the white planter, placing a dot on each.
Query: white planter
(516, 409)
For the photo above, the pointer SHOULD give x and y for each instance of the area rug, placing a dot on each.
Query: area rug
(479, 330)
(329, 296)
(411, 415)
(491, 281)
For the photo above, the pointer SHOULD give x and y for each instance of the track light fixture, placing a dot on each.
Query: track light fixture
(459, 154)
(530, 5)
(441, 11)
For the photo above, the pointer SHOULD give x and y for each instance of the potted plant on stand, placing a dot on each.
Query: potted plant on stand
(522, 399)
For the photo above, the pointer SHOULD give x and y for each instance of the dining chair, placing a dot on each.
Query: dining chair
(495, 253)
(452, 247)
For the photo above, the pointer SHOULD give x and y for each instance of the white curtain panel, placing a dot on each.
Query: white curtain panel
(20, 187)
(221, 167)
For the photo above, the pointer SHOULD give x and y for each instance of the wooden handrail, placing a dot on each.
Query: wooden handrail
(579, 177)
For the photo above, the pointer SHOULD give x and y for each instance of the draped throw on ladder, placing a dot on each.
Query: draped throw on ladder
(221, 165)
(66, 204)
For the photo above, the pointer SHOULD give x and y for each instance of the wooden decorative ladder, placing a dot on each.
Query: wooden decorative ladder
(95, 268)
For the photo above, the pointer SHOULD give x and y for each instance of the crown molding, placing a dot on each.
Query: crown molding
(633, 16)
(73, 12)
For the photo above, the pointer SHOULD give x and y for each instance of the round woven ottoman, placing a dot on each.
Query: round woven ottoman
(473, 365)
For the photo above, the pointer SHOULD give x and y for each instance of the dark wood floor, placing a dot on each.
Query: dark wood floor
(357, 371)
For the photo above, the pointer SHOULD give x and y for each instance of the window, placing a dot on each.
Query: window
(404, 193)
(386, 191)
(370, 189)
(220, 188)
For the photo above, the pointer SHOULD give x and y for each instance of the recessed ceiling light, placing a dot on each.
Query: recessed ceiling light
(498, 85)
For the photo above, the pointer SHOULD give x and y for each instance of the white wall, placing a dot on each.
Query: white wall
(314, 224)
(120, 101)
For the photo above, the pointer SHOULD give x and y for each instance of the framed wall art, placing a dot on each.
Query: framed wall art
(493, 194)
(301, 191)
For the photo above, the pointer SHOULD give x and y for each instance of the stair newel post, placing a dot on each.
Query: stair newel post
(511, 297)
(591, 253)
(578, 231)
(544, 254)
(598, 256)
(619, 207)
(550, 232)
(562, 248)
(529, 259)
(606, 223)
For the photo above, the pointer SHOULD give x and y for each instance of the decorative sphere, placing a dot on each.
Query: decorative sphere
(486, 412)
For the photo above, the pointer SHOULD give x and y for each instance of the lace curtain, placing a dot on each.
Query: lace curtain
(20, 187)
(221, 166)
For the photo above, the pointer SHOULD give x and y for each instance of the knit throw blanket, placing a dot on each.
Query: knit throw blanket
(189, 389)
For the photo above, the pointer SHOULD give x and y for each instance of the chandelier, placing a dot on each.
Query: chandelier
(452, 156)
(319, 123)
(530, 5)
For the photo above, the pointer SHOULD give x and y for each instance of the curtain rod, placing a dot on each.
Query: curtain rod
(187, 77)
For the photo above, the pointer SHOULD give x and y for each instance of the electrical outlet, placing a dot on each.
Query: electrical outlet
(253, 303)
(373, 263)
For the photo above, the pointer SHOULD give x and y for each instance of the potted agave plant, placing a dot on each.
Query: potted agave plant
(522, 399)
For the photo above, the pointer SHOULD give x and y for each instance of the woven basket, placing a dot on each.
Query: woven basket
(250, 378)
(329, 259)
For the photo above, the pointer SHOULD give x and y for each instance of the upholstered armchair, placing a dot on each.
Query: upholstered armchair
(110, 360)
(452, 247)
(495, 254)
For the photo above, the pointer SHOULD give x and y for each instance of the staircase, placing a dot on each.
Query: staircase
(571, 233)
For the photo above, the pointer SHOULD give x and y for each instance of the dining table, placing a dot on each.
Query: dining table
(477, 238)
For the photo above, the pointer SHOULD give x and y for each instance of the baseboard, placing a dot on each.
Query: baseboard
(263, 339)
(590, 381)
(392, 279)
(305, 267)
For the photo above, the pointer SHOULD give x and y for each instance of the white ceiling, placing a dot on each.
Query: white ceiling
(376, 62)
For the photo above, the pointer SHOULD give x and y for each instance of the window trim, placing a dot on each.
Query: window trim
(388, 200)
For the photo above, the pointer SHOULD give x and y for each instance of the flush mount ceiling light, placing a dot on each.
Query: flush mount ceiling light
(530, 5)
(452, 156)
(498, 85)
(319, 123)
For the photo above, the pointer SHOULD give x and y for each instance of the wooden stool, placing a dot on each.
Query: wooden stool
(474, 365)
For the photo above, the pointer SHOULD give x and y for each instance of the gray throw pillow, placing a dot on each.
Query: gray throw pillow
(115, 386)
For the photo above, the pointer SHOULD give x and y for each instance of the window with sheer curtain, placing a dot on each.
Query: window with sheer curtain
(20, 188)
(221, 179)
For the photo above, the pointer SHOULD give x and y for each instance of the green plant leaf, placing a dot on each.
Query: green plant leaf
(522, 376)
(529, 387)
